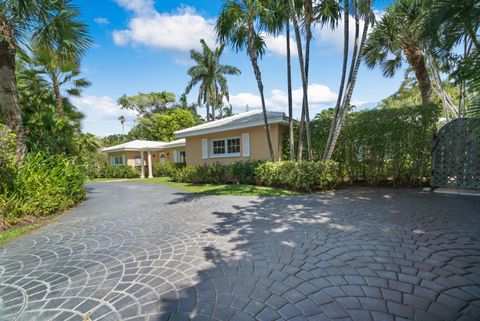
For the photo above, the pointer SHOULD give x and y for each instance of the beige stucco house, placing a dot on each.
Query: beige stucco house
(236, 138)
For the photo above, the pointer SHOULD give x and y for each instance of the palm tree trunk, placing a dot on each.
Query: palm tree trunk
(290, 98)
(298, 38)
(58, 96)
(308, 18)
(258, 76)
(8, 87)
(350, 87)
(416, 59)
(208, 113)
(346, 40)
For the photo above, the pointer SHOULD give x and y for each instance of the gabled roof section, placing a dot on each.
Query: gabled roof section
(244, 120)
(138, 145)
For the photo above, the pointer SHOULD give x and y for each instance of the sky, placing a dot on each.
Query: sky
(144, 45)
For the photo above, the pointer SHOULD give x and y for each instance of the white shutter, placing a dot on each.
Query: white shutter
(111, 161)
(204, 148)
(246, 145)
(175, 156)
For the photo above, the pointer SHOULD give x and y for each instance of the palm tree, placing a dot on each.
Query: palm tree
(60, 72)
(398, 34)
(47, 24)
(240, 25)
(362, 8)
(210, 74)
(122, 121)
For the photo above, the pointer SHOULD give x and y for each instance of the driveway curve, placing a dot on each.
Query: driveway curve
(136, 251)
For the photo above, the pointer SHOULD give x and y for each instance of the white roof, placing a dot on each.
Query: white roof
(138, 145)
(244, 120)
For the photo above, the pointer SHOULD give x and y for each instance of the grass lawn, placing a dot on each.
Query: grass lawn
(212, 189)
(16, 232)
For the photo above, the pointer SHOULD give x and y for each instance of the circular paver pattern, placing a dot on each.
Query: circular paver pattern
(150, 252)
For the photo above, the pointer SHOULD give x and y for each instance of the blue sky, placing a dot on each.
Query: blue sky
(143, 46)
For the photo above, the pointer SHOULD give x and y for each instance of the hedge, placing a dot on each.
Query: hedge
(303, 176)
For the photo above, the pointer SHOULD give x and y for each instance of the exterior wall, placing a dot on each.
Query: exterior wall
(258, 145)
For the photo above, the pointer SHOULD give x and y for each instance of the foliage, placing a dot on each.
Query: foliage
(43, 185)
(301, 176)
(391, 145)
(7, 159)
(147, 103)
(210, 74)
(96, 164)
(167, 169)
(161, 126)
(120, 172)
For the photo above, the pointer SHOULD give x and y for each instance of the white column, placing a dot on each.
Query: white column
(142, 168)
(150, 172)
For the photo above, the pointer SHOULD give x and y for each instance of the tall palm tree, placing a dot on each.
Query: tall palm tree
(45, 23)
(122, 121)
(362, 8)
(60, 72)
(210, 74)
(240, 25)
(399, 34)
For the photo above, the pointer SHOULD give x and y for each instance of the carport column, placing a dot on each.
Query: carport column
(150, 173)
(142, 163)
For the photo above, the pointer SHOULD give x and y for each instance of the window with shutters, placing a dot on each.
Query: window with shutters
(227, 147)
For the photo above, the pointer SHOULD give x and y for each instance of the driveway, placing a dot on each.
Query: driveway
(149, 252)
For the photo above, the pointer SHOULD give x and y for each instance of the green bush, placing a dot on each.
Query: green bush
(7, 159)
(43, 185)
(120, 172)
(167, 169)
(302, 176)
(95, 164)
(378, 146)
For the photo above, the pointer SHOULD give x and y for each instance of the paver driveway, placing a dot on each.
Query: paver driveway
(149, 252)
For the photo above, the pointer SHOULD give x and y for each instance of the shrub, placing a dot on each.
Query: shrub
(95, 164)
(120, 172)
(167, 169)
(303, 176)
(7, 159)
(43, 185)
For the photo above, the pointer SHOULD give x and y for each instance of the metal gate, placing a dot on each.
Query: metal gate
(456, 156)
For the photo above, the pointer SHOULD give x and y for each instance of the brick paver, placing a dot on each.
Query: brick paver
(149, 252)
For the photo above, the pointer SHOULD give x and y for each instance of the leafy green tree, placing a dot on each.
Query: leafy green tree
(398, 35)
(210, 75)
(148, 103)
(161, 126)
(51, 25)
(239, 25)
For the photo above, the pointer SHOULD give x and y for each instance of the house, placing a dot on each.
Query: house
(236, 138)
(144, 154)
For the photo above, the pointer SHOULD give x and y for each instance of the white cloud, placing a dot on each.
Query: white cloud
(102, 21)
(178, 31)
(320, 96)
(278, 45)
(101, 114)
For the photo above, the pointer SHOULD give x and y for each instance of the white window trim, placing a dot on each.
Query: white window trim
(113, 163)
(212, 155)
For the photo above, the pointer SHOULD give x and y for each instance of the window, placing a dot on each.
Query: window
(182, 157)
(226, 147)
(117, 160)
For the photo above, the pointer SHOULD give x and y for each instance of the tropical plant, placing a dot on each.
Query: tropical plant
(50, 25)
(210, 75)
(398, 35)
(239, 25)
(146, 104)
(122, 122)
(362, 8)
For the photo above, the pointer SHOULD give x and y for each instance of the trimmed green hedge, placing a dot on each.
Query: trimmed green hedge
(120, 172)
(167, 169)
(304, 176)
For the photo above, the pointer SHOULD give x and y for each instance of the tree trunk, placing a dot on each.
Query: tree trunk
(290, 98)
(416, 59)
(350, 87)
(303, 122)
(208, 113)
(346, 40)
(8, 87)
(58, 95)
(308, 27)
(258, 76)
